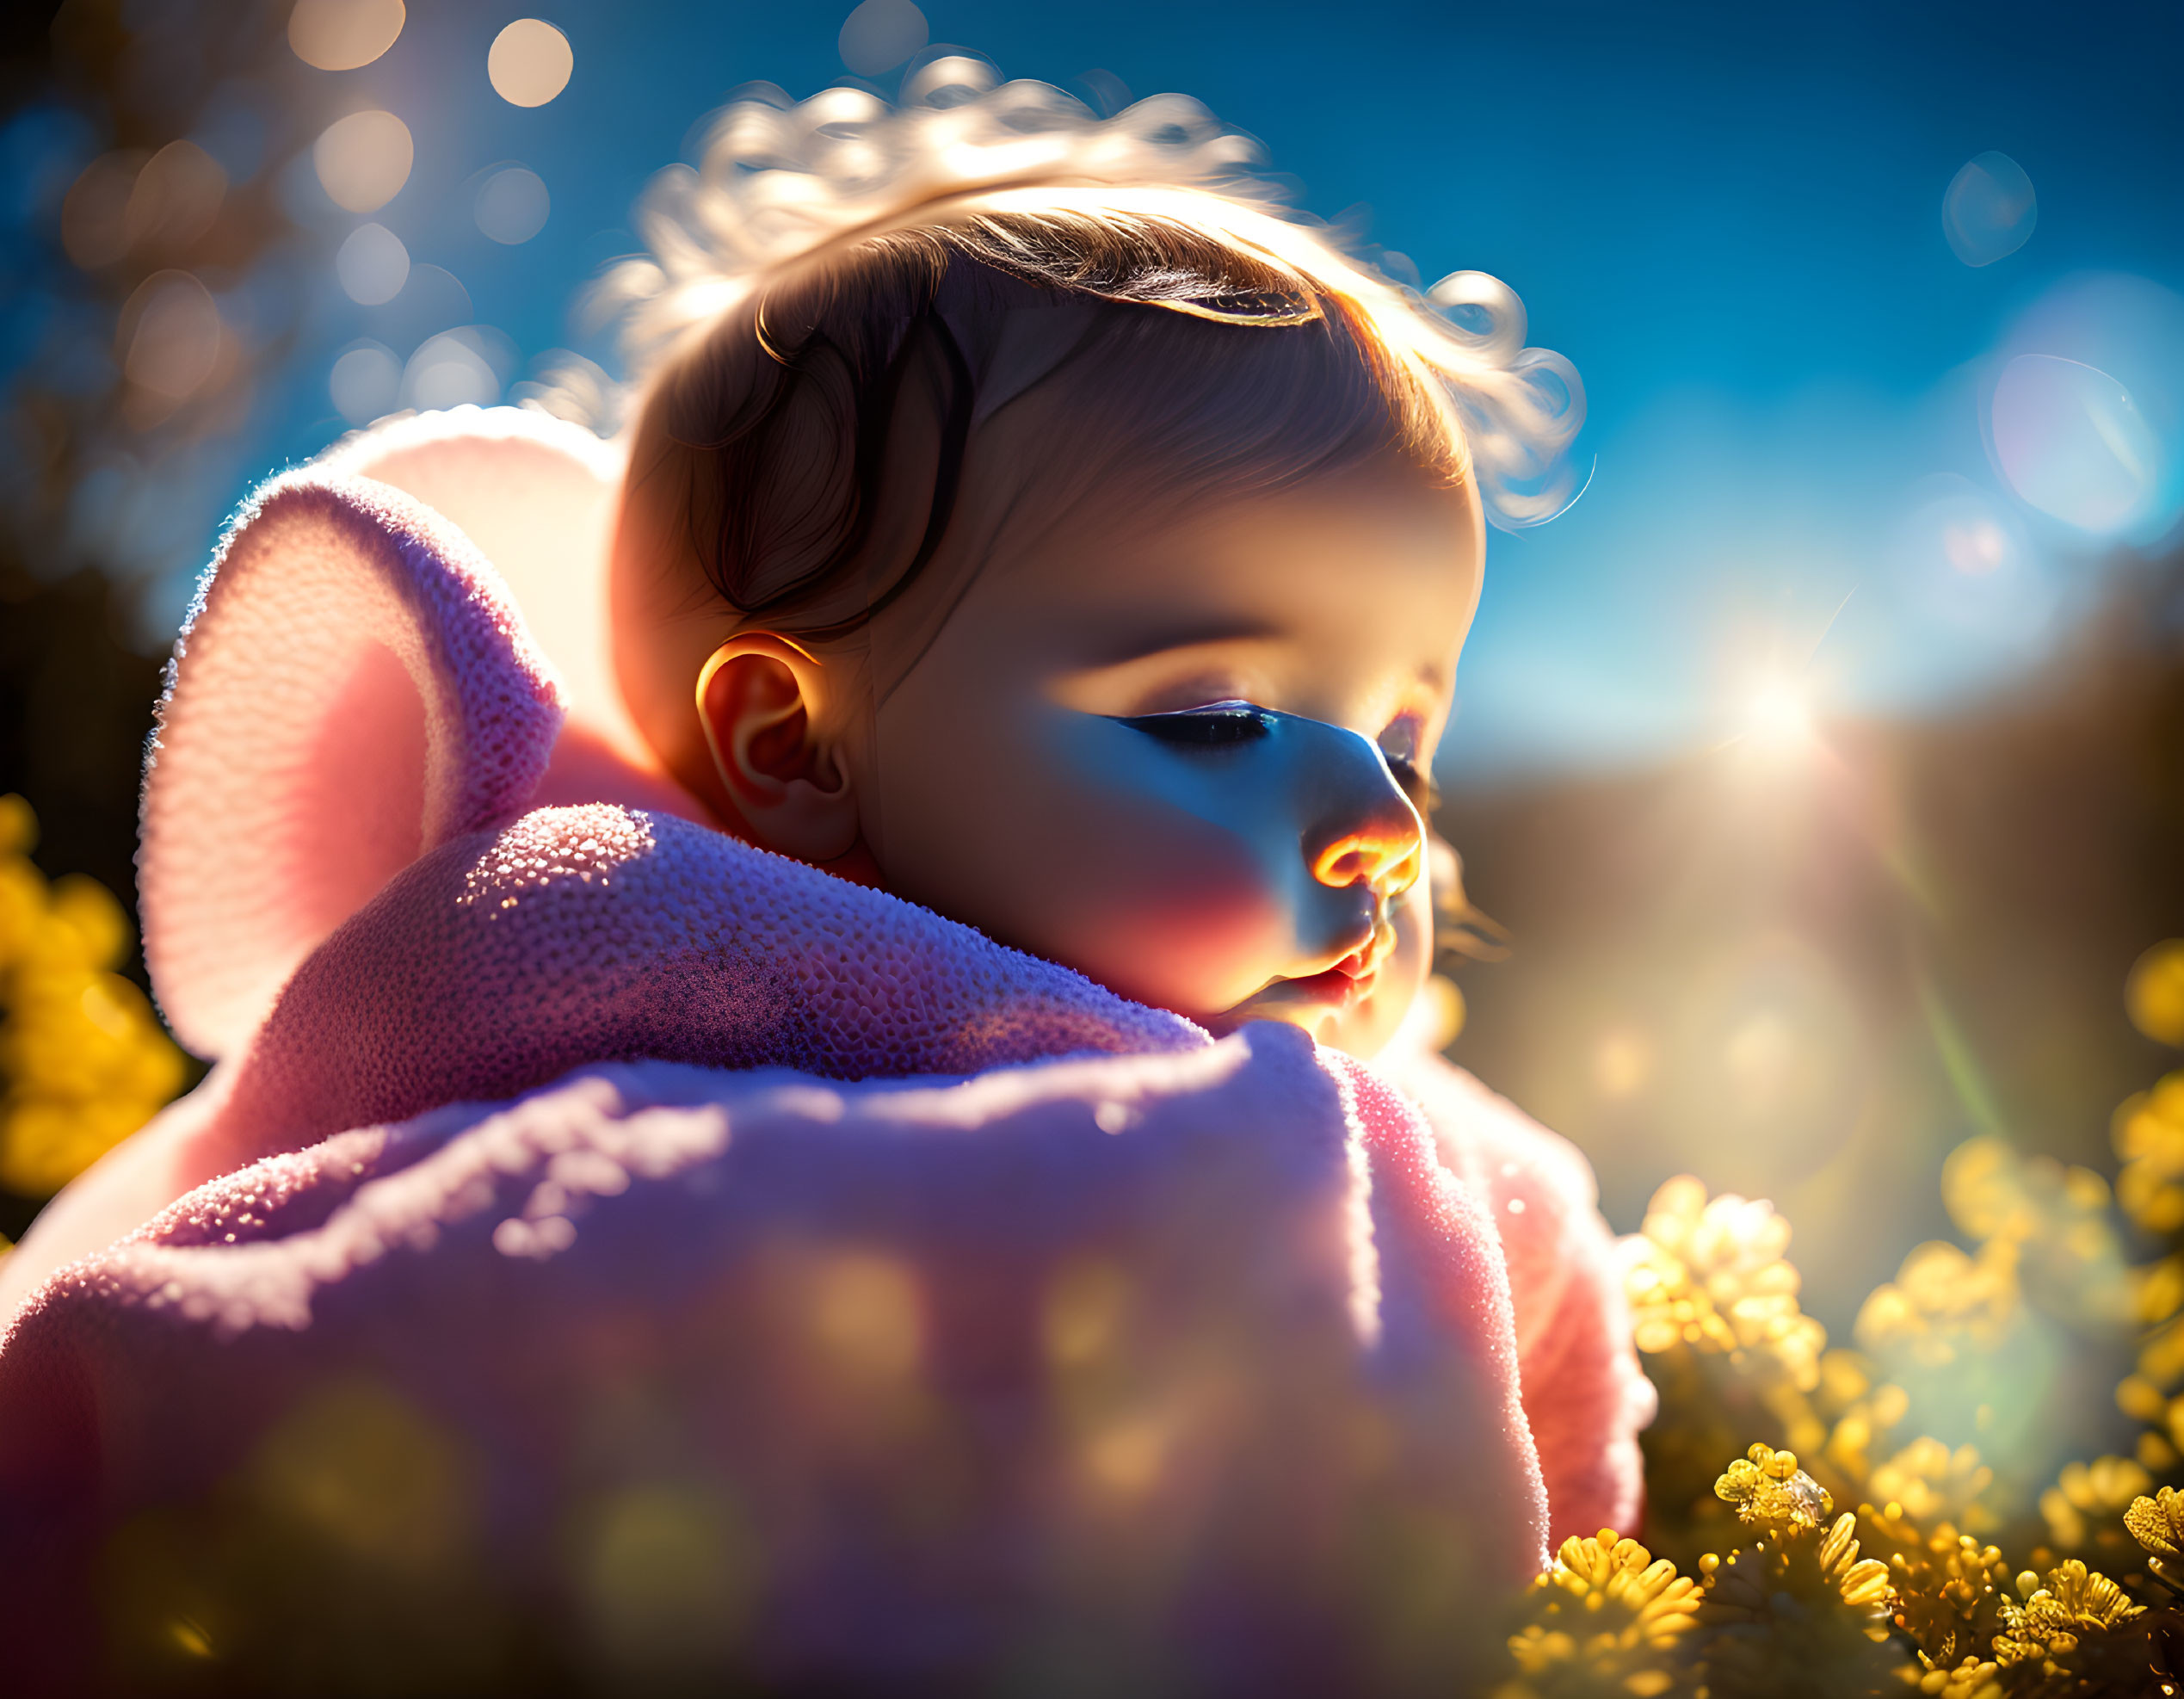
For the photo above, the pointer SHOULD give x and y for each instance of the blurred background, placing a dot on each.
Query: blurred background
(1825, 763)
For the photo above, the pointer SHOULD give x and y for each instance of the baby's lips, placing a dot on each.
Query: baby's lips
(1364, 962)
(1361, 963)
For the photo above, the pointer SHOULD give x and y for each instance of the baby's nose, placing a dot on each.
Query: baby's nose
(1373, 836)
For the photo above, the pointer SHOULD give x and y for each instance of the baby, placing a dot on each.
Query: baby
(1090, 565)
(1059, 561)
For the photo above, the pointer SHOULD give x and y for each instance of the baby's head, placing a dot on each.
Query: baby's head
(1087, 562)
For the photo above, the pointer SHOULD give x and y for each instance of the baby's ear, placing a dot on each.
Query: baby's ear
(763, 703)
(353, 688)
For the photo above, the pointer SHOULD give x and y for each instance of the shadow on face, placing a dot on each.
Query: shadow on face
(1181, 746)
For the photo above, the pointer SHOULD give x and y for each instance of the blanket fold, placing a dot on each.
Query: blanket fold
(1204, 1351)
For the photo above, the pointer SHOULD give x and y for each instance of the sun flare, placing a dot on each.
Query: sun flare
(1778, 717)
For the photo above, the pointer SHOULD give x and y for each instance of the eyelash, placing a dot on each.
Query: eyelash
(1215, 727)
(1224, 725)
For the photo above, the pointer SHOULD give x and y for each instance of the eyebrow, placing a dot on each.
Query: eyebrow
(1206, 632)
(1201, 634)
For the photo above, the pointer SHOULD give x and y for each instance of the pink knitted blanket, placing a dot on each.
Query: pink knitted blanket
(605, 1244)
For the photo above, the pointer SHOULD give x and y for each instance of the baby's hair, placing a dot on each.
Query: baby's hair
(826, 255)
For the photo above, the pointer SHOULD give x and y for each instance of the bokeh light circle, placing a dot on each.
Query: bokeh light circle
(433, 300)
(880, 34)
(93, 228)
(1963, 564)
(453, 370)
(1765, 1055)
(530, 63)
(175, 199)
(372, 265)
(344, 35)
(1990, 210)
(366, 382)
(512, 205)
(2154, 994)
(2073, 443)
(170, 335)
(364, 160)
(2132, 329)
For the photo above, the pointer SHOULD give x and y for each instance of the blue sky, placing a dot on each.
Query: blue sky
(1730, 218)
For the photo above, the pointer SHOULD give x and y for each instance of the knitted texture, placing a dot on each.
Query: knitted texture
(500, 962)
(539, 497)
(1585, 1396)
(1207, 1356)
(353, 688)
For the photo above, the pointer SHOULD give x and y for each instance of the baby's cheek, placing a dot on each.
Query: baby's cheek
(1052, 845)
(1177, 913)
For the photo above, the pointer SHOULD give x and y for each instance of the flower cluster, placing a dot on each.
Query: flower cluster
(1944, 1306)
(1714, 1304)
(2148, 1134)
(1762, 1587)
(84, 1061)
(1805, 1603)
(1709, 1273)
(1792, 1608)
(1607, 1618)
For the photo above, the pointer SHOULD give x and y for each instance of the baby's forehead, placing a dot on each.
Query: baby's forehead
(1214, 463)
(1370, 565)
(1153, 422)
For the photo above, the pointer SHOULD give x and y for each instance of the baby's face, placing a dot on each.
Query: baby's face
(1182, 750)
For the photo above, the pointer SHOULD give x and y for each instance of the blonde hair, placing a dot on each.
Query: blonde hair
(823, 254)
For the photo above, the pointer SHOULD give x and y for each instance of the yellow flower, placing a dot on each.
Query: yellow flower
(2140, 1399)
(2160, 1358)
(2087, 1497)
(1845, 1378)
(1768, 1491)
(1607, 1573)
(1932, 1482)
(1745, 1585)
(2154, 994)
(2158, 1289)
(1850, 1443)
(1972, 1678)
(1709, 1275)
(1862, 1584)
(1949, 1589)
(1798, 1611)
(2148, 1135)
(83, 1061)
(1943, 1304)
(2066, 1622)
(2057, 1218)
(2157, 1524)
(1607, 1618)
(1993, 1193)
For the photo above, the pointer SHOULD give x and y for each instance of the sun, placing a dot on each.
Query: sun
(1778, 716)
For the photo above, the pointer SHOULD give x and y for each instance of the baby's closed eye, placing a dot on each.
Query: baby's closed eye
(1225, 723)
(1213, 726)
